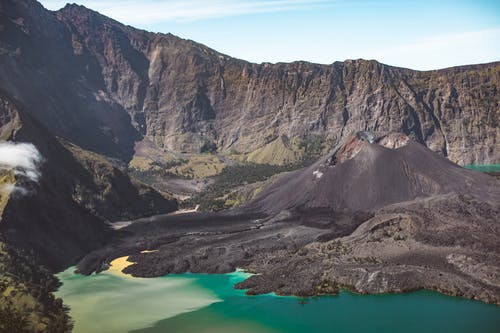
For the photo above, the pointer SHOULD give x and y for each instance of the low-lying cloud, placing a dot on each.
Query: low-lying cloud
(24, 160)
(13, 190)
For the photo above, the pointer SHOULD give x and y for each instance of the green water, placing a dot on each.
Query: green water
(209, 303)
(484, 168)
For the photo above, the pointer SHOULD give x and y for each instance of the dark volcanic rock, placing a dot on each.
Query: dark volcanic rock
(387, 216)
(447, 243)
(104, 85)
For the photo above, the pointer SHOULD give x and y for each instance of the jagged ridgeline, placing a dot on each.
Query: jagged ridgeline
(105, 86)
(164, 105)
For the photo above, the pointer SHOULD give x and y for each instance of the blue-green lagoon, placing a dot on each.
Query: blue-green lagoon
(483, 167)
(190, 303)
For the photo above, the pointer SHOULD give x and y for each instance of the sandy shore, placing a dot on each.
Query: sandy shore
(185, 211)
(117, 266)
(149, 251)
(119, 225)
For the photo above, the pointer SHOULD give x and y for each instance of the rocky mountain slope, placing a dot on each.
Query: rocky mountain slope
(104, 85)
(63, 216)
(54, 217)
(381, 213)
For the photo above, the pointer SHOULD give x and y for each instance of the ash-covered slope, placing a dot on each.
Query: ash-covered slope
(367, 172)
(380, 214)
(103, 85)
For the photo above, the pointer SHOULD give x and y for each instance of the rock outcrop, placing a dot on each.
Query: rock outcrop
(104, 85)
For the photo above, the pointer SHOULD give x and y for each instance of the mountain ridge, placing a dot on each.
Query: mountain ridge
(84, 8)
(184, 96)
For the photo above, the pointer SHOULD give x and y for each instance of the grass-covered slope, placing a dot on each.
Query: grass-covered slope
(112, 194)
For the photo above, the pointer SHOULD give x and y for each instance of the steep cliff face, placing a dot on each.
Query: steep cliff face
(128, 85)
(61, 89)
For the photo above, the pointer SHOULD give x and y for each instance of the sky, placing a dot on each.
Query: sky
(417, 34)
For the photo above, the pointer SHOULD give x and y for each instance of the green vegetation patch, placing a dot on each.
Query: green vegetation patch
(198, 166)
(155, 175)
(221, 193)
(285, 151)
(26, 300)
(277, 152)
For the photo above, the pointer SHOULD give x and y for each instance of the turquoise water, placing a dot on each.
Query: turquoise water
(484, 168)
(189, 303)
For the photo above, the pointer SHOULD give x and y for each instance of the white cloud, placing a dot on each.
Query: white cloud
(442, 51)
(24, 160)
(11, 189)
(156, 11)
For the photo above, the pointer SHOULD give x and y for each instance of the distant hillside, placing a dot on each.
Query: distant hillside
(104, 86)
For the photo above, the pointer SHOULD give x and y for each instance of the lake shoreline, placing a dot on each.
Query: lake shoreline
(222, 310)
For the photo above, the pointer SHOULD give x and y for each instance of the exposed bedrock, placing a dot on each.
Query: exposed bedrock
(104, 85)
